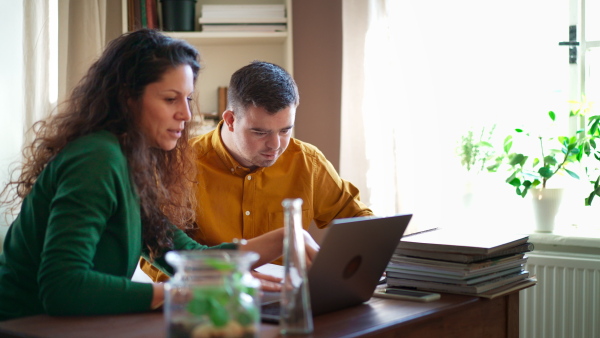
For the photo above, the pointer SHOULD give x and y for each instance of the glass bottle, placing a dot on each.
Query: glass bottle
(212, 294)
(296, 313)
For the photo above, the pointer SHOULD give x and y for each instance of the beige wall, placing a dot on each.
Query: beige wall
(318, 73)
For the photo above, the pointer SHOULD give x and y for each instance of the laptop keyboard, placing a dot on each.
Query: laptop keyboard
(273, 309)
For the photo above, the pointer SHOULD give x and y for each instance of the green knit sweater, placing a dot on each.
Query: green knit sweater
(76, 242)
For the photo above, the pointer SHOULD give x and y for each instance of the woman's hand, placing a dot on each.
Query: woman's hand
(158, 295)
(268, 282)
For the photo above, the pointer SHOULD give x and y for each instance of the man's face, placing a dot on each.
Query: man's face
(259, 138)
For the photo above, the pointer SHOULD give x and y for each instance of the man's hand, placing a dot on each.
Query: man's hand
(311, 248)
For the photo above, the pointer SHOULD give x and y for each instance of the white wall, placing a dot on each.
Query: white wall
(11, 94)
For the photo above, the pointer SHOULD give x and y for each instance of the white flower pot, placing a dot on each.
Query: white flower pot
(546, 203)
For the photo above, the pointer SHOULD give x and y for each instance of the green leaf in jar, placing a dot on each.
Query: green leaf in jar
(220, 264)
(199, 305)
(218, 313)
(247, 317)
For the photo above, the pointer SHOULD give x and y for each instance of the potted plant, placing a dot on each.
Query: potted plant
(553, 156)
(475, 151)
(531, 169)
(593, 133)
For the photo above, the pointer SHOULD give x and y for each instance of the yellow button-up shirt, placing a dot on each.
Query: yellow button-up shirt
(234, 202)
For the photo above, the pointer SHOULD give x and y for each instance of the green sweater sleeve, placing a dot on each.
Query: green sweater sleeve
(183, 242)
(93, 232)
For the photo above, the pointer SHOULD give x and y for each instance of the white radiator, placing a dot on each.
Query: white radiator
(565, 303)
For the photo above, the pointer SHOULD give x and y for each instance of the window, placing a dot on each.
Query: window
(437, 69)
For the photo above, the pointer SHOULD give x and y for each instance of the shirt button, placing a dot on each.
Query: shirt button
(232, 169)
(247, 213)
(249, 178)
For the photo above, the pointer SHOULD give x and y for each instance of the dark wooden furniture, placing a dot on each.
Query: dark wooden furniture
(450, 316)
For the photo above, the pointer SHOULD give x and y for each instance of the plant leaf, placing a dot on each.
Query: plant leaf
(563, 139)
(571, 173)
(550, 160)
(517, 159)
(588, 200)
(546, 172)
(515, 182)
(507, 144)
(552, 115)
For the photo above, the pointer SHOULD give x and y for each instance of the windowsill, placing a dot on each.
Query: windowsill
(573, 241)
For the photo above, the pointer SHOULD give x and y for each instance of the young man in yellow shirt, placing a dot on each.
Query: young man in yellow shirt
(250, 163)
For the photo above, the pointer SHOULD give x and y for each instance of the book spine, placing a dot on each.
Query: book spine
(152, 14)
(143, 13)
(222, 99)
(137, 12)
(130, 15)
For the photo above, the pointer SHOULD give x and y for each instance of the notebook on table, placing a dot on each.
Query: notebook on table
(353, 256)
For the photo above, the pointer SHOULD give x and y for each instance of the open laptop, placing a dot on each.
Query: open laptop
(353, 256)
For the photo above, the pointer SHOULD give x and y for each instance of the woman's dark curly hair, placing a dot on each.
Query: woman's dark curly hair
(100, 102)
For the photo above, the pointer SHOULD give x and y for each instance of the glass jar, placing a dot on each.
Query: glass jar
(212, 294)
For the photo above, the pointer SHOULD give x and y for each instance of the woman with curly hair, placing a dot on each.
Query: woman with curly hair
(108, 179)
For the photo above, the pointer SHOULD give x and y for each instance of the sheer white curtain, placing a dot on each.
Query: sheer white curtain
(87, 28)
(419, 74)
(26, 64)
(24, 81)
(388, 116)
(36, 68)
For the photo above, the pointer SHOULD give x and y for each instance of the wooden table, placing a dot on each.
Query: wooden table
(450, 316)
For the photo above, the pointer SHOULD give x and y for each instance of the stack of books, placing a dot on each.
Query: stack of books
(454, 261)
(253, 18)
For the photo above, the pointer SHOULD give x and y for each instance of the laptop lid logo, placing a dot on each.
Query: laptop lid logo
(352, 267)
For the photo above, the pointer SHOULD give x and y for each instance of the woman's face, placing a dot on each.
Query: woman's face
(165, 107)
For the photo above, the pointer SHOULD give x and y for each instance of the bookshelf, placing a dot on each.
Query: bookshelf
(222, 53)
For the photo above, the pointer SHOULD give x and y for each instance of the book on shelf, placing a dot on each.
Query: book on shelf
(222, 100)
(461, 241)
(142, 14)
(473, 289)
(243, 28)
(245, 20)
(242, 14)
(451, 271)
(134, 19)
(243, 11)
(151, 14)
(463, 257)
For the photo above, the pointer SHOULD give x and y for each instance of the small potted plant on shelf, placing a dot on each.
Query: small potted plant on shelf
(475, 151)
